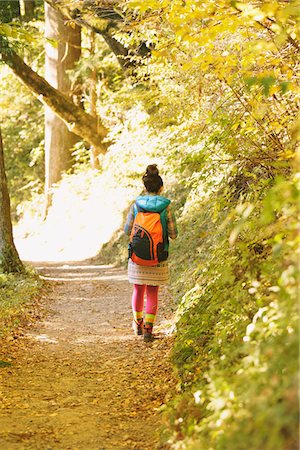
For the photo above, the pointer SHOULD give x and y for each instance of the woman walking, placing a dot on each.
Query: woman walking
(147, 264)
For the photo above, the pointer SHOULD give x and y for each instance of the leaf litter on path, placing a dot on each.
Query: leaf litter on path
(80, 379)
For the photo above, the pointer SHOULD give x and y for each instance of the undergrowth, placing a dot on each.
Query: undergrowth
(236, 345)
(18, 293)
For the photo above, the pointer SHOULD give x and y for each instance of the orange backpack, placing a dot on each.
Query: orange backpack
(147, 246)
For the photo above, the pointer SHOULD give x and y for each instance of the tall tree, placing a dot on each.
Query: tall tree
(9, 258)
(94, 160)
(27, 8)
(60, 58)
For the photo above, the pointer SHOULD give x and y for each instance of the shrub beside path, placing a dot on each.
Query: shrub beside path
(79, 378)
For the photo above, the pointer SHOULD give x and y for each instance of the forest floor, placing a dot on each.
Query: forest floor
(79, 378)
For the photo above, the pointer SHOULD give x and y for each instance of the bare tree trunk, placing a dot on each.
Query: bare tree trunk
(9, 258)
(27, 8)
(94, 153)
(59, 58)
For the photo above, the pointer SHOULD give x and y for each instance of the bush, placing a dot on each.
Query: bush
(237, 330)
(17, 296)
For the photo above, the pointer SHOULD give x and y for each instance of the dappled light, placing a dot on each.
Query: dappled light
(45, 338)
(81, 273)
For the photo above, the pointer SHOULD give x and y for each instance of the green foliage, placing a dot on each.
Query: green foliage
(17, 293)
(97, 73)
(22, 127)
(9, 10)
(236, 347)
(5, 364)
(22, 119)
(16, 33)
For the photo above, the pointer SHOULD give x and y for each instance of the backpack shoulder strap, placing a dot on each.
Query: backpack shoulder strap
(164, 220)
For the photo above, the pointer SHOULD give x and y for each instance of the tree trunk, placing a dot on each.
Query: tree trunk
(59, 58)
(9, 258)
(94, 160)
(76, 119)
(27, 9)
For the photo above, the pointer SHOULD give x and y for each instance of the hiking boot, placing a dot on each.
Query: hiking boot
(148, 336)
(138, 327)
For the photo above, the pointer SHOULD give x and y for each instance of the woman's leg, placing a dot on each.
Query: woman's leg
(138, 301)
(151, 305)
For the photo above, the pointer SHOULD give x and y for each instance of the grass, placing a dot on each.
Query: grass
(18, 295)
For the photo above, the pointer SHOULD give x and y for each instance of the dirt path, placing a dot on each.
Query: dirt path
(80, 379)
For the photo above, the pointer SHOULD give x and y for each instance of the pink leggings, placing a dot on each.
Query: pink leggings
(138, 298)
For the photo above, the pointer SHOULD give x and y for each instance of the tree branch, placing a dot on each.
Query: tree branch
(291, 40)
(108, 18)
(76, 119)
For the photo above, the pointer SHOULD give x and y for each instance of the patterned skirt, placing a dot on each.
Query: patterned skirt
(153, 276)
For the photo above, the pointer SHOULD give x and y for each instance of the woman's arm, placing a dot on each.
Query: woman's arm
(129, 221)
(171, 223)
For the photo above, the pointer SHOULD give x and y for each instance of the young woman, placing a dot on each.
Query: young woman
(145, 278)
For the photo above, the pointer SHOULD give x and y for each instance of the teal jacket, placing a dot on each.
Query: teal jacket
(152, 203)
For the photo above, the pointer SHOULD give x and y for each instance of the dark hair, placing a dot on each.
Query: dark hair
(152, 180)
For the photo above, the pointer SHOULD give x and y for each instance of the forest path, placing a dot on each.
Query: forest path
(80, 379)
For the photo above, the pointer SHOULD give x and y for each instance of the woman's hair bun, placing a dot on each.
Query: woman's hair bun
(152, 170)
(152, 181)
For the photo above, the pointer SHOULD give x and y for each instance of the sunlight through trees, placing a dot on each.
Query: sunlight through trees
(209, 91)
